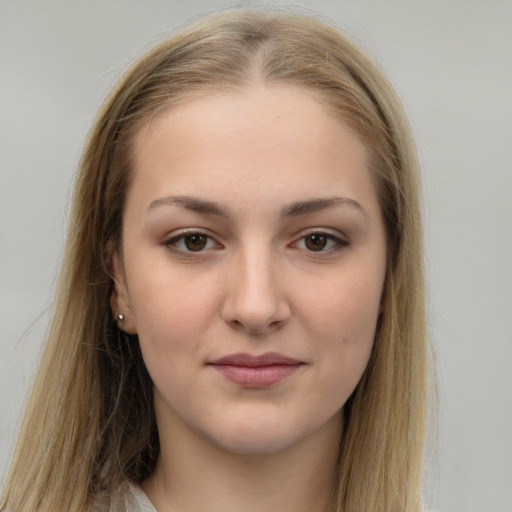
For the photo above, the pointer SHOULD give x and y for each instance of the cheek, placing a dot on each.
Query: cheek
(344, 308)
(171, 308)
(171, 321)
(342, 322)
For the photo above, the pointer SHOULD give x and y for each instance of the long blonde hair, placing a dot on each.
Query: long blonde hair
(89, 425)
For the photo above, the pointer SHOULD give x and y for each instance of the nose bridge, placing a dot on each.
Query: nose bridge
(256, 300)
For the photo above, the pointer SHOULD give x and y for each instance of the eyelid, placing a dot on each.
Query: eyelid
(180, 234)
(338, 237)
(169, 242)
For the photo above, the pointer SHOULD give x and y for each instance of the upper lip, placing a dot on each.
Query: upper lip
(266, 359)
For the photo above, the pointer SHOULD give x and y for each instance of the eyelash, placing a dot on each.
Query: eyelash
(181, 238)
(337, 242)
(172, 243)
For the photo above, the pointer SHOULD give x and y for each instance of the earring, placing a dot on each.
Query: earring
(119, 318)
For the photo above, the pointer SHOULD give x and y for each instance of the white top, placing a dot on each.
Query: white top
(131, 498)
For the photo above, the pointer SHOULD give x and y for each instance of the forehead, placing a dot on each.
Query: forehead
(273, 137)
(263, 105)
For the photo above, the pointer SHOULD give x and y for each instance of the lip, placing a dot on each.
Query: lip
(256, 371)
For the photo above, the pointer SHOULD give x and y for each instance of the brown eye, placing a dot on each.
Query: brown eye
(320, 242)
(191, 242)
(195, 242)
(316, 242)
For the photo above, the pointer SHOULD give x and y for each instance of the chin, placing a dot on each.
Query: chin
(255, 445)
(248, 435)
(261, 437)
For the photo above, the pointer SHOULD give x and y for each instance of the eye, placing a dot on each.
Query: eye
(320, 242)
(191, 242)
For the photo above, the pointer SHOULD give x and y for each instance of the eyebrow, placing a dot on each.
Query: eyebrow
(295, 209)
(317, 205)
(190, 203)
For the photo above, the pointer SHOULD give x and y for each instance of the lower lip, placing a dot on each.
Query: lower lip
(257, 376)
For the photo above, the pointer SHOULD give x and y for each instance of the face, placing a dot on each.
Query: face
(252, 267)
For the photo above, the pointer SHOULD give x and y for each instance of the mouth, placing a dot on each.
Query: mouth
(261, 371)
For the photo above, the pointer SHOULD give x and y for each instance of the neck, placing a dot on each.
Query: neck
(193, 474)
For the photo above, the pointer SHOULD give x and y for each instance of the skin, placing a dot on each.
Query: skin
(256, 281)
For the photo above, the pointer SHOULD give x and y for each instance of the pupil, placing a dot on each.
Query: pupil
(195, 242)
(316, 242)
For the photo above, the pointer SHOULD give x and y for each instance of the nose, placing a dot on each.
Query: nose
(255, 301)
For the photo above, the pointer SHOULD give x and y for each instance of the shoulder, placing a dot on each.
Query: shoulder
(129, 497)
(136, 500)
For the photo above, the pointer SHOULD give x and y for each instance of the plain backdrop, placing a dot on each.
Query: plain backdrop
(451, 62)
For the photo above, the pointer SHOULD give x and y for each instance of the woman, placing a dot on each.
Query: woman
(239, 323)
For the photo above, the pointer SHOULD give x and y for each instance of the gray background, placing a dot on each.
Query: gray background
(451, 62)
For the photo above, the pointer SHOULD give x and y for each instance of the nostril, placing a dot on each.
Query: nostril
(276, 324)
(257, 328)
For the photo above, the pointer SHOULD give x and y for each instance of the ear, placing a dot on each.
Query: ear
(120, 298)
